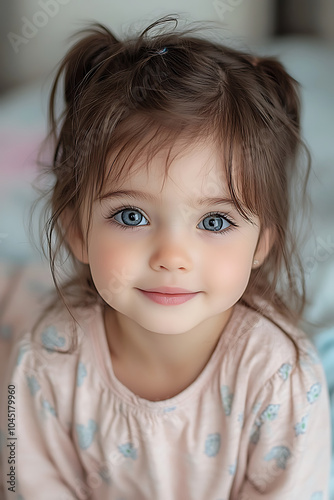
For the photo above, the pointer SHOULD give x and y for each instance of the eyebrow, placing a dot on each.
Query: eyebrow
(151, 198)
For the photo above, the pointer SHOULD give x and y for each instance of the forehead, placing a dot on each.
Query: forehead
(182, 166)
(193, 163)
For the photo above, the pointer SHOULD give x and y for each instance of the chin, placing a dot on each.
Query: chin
(164, 326)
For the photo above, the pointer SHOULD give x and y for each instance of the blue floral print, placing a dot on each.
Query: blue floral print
(33, 384)
(212, 445)
(314, 393)
(280, 454)
(48, 407)
(300, 427)
(270, 413)
(255, 432)
(169, 409)
(285, 371)
(51, 340)
(128, 450)
(227, 398)
(86, 434)
(81, 374)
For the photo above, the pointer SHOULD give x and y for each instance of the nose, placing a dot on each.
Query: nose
(171, 253)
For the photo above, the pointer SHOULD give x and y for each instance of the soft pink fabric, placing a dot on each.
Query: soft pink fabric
(252, 426)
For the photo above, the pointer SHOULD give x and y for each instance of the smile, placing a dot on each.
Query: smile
(168, 299)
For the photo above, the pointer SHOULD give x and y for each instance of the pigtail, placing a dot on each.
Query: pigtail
(284, 91)
(86, 57)
(82, 62)
(77, 69)
(281, 85)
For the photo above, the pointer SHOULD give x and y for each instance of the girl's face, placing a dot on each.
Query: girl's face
(168, 239)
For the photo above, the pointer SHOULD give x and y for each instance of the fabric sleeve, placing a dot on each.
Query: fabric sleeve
(44, 462)
(289, 437)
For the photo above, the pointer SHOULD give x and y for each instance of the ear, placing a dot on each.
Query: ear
(264, 244)
(73, 236)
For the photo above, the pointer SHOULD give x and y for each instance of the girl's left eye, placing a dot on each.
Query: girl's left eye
(216, 222)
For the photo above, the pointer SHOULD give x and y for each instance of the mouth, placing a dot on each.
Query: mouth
(167, 290)
(168, 298)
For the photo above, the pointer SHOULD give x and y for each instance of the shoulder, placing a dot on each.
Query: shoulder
(56, 343)
(44, 368)
(254, 335)
(260, 367)
(263, 347)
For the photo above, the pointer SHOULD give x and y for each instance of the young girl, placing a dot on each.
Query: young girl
(180, 373)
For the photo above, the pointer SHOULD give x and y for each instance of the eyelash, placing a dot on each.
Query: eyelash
(225, 216)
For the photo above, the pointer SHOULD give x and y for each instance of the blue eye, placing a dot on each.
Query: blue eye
(129, 217)
(216, 223)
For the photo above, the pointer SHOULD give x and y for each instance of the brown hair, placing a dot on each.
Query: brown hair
(135, 96)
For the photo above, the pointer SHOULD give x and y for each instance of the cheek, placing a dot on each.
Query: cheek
(229, 267)
(110, 263)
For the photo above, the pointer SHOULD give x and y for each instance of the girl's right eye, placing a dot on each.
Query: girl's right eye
(127, 218)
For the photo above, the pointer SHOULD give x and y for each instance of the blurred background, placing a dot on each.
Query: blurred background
(33, 39)
(33, 34)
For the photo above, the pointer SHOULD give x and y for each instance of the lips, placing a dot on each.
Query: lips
(168, 296)
(168, 290)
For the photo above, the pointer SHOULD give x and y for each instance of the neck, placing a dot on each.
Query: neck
(157, 353)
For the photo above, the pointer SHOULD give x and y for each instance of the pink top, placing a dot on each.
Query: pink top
(251, 426)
